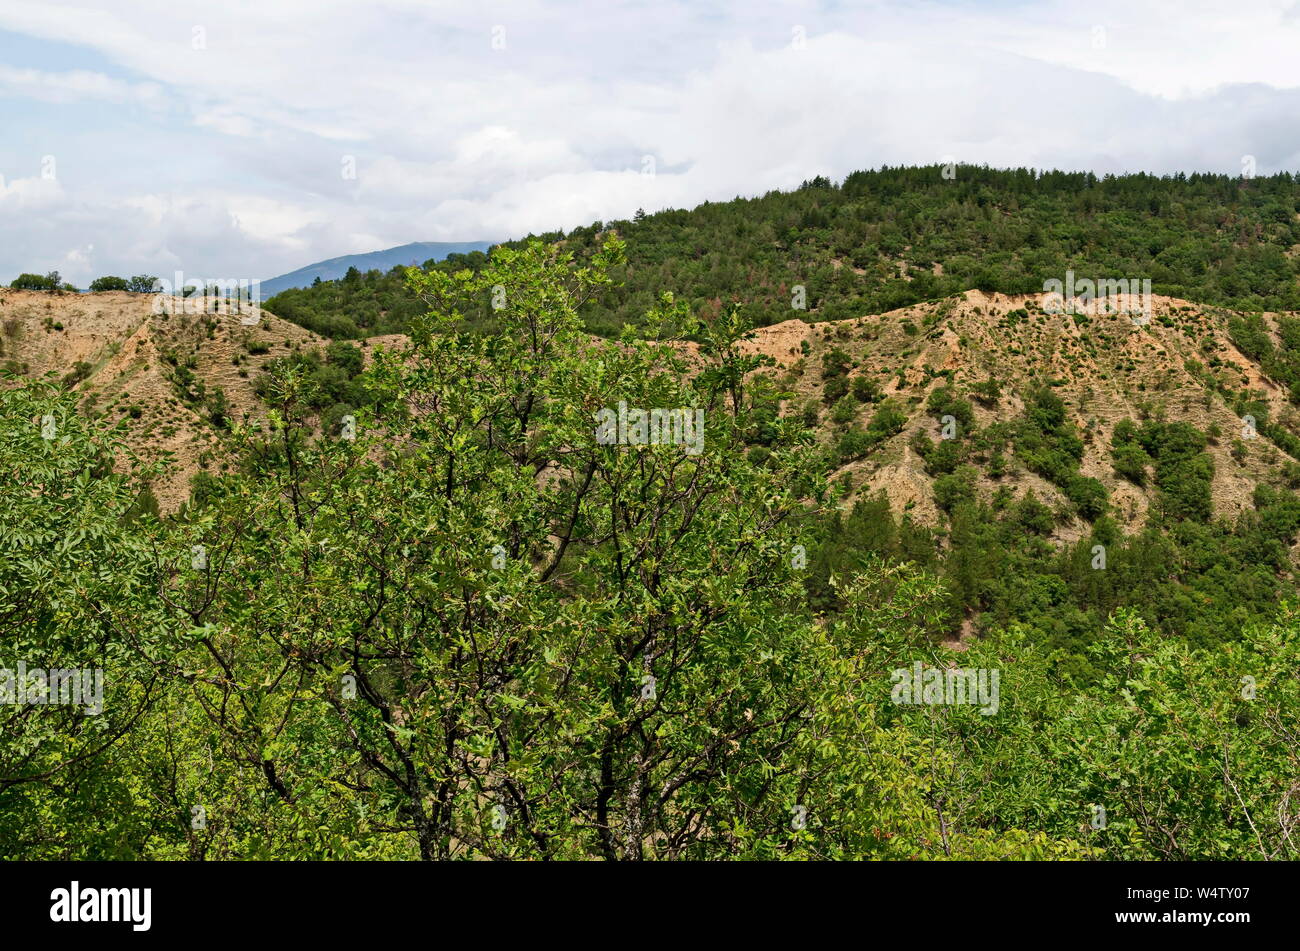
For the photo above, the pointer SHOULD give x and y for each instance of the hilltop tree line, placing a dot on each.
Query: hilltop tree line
(892, 237)
(53, 281)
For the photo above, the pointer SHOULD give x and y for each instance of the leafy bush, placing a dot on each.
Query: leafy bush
(835, 389)
(866, 390)
(1088, 495)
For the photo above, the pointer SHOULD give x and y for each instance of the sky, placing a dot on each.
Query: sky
(245, 139)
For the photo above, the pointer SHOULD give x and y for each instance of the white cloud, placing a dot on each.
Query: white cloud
(1169, 48)
(28, 196)
(452, 139)
(74, 86)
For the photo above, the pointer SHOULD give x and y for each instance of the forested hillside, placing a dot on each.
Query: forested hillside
(1054, 468)
(897, 236)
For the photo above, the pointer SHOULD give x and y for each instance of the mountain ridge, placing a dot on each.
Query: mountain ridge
(331, 269)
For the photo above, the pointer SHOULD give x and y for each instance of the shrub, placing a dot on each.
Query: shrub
(1088, 496)
(866, 390)
(835, 389)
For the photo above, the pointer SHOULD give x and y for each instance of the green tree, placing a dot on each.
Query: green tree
(611, 659)
(75, 595)
(142, 284)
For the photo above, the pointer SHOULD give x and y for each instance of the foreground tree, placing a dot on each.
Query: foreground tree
(74, 682)
(506, 637)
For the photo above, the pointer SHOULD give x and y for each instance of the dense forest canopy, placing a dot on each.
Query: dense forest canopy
(887, 238)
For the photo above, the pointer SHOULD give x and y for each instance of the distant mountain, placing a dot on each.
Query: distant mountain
(415, 253)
